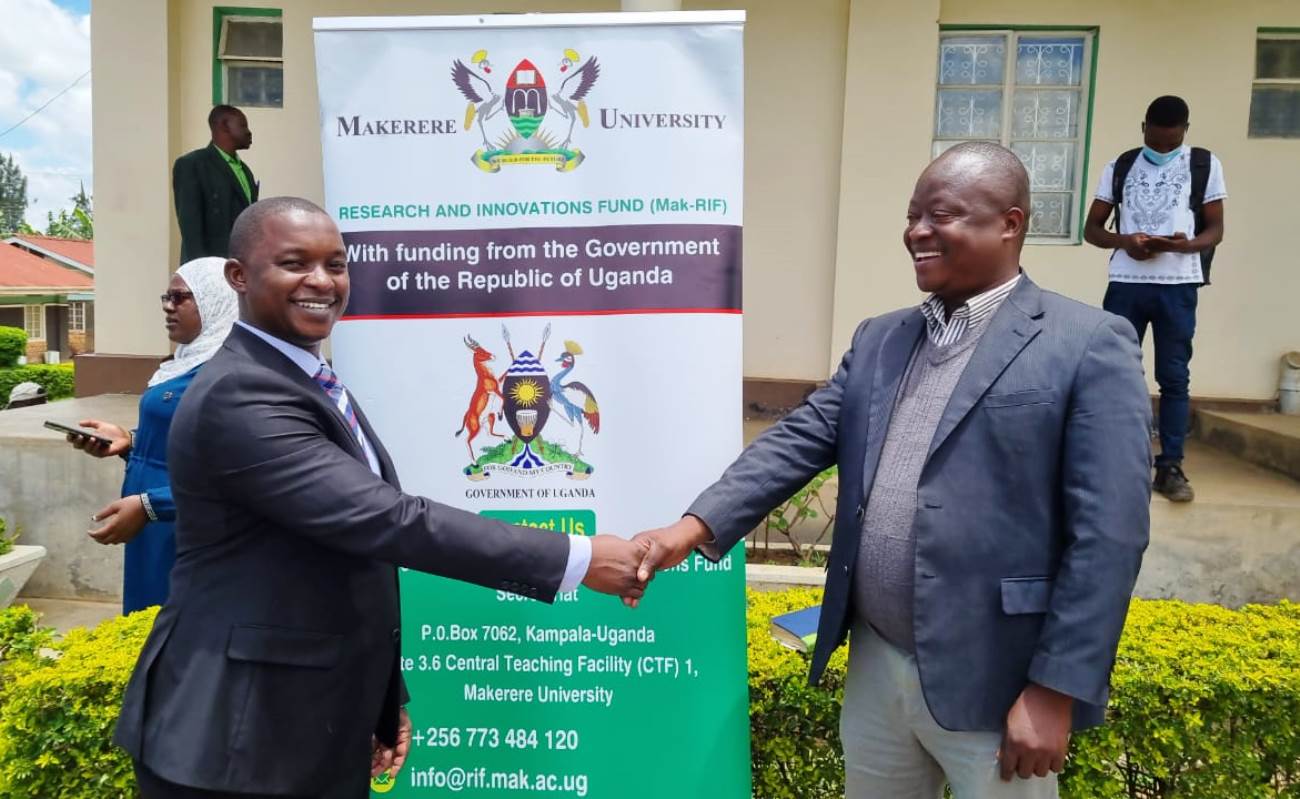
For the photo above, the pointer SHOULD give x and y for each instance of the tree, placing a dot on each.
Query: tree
(81, 200)
(13, 195)
(79, 224)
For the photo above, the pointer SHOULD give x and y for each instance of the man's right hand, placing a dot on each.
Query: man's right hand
(668, 546)
(614, 565)
(119, 444)
(1136, 245)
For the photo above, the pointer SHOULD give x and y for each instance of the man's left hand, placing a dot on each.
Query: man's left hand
(392, 758)
(1037, 735)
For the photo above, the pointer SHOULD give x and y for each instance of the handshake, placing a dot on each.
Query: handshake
(625, 567)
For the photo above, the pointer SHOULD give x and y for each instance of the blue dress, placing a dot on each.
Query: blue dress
(151, 554)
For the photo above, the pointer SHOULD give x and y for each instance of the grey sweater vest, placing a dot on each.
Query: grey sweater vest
(883, 580)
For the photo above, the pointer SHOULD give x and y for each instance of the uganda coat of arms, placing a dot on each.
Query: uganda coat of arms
(526, 396)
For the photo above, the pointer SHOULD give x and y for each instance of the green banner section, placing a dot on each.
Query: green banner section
(569, 522)
(512, 697)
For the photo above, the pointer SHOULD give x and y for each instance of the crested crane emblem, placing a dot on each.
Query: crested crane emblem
(526, 100)
(526, 396)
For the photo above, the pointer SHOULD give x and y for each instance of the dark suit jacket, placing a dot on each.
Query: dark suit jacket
(208, 198)
(276, 655)
(1032, 506)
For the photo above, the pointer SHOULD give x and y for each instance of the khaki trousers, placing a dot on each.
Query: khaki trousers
(893, 747)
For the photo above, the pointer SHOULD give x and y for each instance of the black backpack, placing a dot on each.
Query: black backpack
(1200, 179)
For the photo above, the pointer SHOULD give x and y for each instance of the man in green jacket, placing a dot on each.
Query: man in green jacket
(212, 186)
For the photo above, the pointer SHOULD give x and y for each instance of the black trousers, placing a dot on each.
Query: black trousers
(154, 787)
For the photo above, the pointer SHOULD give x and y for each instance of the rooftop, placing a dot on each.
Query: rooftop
(79, 252)
(20, 271)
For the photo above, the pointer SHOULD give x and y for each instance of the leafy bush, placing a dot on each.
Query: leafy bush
(58, 712)
(7, 539)
(1205, 705)
(21, 637)
(793, 727)
(58, 379)
(13, 343)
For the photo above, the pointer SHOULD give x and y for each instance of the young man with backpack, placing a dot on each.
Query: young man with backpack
(1168, 199)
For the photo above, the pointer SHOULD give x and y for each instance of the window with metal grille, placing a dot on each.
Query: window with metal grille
(1275, 94)
(249, 58)
(1029, 91)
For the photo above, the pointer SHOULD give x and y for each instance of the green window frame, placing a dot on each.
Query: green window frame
(221, 15)
(1012, 112)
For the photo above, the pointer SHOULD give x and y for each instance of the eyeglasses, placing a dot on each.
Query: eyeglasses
(176, 297)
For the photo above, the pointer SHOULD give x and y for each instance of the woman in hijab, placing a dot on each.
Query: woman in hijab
(199, 309)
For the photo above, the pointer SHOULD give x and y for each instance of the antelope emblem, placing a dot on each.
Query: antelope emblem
(485, 401)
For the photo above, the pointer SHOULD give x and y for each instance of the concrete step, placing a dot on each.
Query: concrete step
(1237, 542)
(1265, 439)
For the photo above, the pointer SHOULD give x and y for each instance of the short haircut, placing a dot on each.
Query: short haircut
(1168, 111)
(1003, 163)
(219, 113)
(247, 230)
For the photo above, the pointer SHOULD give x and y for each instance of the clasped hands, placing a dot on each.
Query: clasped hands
(625, 567)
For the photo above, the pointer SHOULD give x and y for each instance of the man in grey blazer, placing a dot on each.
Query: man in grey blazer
(993, 509)
(273, 668)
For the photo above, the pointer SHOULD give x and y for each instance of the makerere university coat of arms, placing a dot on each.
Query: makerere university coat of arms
(525, 103)
(526, 396)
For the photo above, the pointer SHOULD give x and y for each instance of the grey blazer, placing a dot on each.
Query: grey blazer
(1032, 507)
(276, 656)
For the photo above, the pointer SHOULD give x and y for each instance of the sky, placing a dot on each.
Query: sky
(44, 47)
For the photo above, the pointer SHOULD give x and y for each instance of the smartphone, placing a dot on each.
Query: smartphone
(77, 431)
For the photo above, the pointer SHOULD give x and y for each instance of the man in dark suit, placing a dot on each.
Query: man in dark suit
(212, 185)
(273, 667)
(993, 504)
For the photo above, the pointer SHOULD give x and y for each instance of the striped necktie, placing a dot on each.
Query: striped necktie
(329, 381)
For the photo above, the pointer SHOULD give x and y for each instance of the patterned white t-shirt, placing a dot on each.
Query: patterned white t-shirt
(1156, 202)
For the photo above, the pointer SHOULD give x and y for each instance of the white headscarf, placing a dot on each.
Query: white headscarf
(218, 310)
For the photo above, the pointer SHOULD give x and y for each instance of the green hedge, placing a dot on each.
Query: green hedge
(58, 708)
(1206, 705)
(13, 343)
(57, 379)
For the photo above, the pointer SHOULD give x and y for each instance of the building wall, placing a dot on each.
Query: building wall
(888, 112)
(795, 55)
(840, 97)
(1204, 52)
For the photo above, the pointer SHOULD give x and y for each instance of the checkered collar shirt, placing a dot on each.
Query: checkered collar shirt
(967, 318)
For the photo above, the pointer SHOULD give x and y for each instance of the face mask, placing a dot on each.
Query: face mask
(1160, 159)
